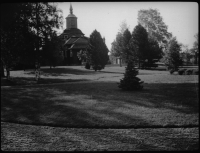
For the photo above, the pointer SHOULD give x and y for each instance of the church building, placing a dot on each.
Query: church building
(74, 40)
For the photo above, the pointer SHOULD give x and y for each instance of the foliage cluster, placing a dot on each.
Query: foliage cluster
(96, 55)
(188, 71)
(130, 81)
(25, 27)
(144, 49)
(172, 55)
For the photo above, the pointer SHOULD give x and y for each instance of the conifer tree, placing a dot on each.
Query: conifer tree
(126, 44)
(130, 81)
(139, 41)
(98, 51)
(172, 55)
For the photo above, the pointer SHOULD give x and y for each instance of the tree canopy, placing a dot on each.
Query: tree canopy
(172, 55)
(152, 21)
(195, 48)
(52, 50)
(22, 30)
(119, 44)
(139, 43)
(98, 51)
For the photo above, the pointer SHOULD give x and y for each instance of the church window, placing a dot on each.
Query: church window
(71, 53)
(65, 53)
(65, 36)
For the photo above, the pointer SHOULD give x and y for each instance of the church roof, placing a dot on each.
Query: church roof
(81, 40)
(79, 46)
(73, 31)
(77, 42)
(71, 40)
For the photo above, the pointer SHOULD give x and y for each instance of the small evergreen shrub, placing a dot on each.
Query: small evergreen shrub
(97, 67)
(188, 72)
(130, 81)
(171, 71)
(181, 71)
(195, 72)
(87, 66)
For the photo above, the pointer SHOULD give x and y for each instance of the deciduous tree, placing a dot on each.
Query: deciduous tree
(195, 49)
(22, 30)
(172, 55)
(152, 21)
(52, 50)
(118, 47)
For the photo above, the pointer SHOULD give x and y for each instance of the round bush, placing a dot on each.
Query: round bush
(87, 66)
(181, 71)
(171, 71)
(188, 72)
(195, 72)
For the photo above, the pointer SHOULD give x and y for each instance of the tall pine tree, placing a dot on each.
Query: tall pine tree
(98, 51)
(139, 43)
(130, 80)
(126, 45)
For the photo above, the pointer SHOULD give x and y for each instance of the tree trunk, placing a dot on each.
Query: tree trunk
(120, 62)
(139, 64)
(8, 73)
(2, 71)
(195, 61)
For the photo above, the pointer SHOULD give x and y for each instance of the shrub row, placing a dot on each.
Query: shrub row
(188, 71)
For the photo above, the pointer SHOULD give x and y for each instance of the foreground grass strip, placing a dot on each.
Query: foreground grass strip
(102, 105)
(106, 127)
(16, 137)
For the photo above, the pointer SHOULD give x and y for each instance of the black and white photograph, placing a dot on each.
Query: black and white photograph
(100, 76)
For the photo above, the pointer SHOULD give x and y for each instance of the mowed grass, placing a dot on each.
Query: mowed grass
(100, 103)
(64, 74)
(18, 137)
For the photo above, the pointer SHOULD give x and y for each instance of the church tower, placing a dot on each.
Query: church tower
(71, 19)
(74, 40)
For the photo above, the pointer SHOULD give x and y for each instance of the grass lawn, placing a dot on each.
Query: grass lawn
(94, 100)
(74, 109)
(17, 137)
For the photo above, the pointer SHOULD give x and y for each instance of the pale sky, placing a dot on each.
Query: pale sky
(106, 17)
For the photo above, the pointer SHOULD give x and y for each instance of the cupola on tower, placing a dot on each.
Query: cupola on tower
(74, 40)
(71, 19)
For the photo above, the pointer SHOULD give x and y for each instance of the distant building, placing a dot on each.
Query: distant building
(74, 40)
(116, 60)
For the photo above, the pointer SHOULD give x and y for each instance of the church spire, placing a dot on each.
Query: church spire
(71, 9)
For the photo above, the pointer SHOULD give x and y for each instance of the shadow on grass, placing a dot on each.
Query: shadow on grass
(101, 105)
(64, 71)
(74, 71)
(18, 81)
